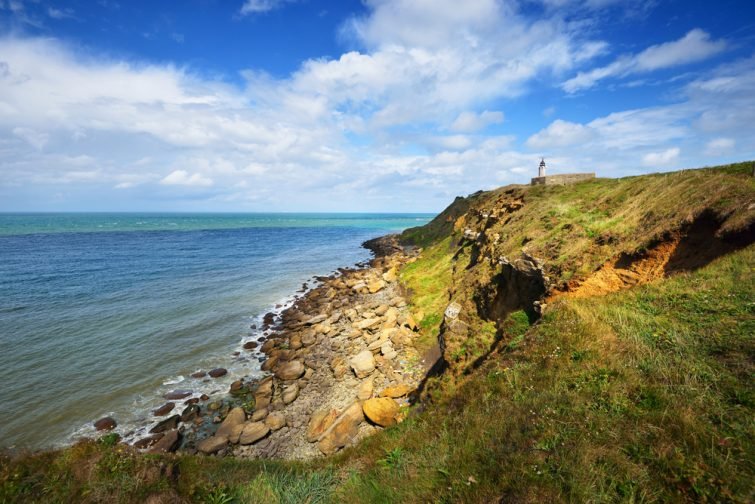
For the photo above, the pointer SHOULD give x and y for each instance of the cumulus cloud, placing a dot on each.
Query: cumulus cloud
(36, 139)
(560, 133)
(182, 178)
(696, 45)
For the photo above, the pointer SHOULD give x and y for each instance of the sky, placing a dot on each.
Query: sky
(359, 106)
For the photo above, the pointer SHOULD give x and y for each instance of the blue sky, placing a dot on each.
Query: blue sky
(380, 105)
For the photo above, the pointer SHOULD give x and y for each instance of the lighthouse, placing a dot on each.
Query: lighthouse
(541, 169)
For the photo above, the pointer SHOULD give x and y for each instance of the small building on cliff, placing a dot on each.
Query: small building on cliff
(561, 179)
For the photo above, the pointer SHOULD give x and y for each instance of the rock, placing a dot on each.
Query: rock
(269, 364)
(236, 387)
(408, 321)
(290, 371)
(212, 445)
(381, 310)
(198, 374)
(236, 416)
(453, 310)
(204, 397)
(218, 372)
(168, 443)
(363, 364)
(367, 323)
(376, 286)
(275, 421)
(265, 387)
(268, 319)
(148, 441)
(106, 423)
(190, 413)
(295, 342)
(387, 350)
(320, 421)
(164, 409)
(365, 390)
(250, 345)
(390, 275)
(176, 395)
(308, 338)
(259, 414)
(267, 346)
(166, 425)
(381, 411)
(235, 433)
(253, 432)
(338, 366)
(396, 391)
(343, 430)
(316, 320)
(290, 394)
(193, 400)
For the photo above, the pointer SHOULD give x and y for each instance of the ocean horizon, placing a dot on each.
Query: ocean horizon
(102, 313)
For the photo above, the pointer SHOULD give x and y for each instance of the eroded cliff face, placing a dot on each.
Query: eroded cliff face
(517, 249)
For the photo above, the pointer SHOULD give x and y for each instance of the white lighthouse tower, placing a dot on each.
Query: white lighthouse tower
(541, 169)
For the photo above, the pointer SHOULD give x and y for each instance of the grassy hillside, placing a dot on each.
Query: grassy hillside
(639, 395)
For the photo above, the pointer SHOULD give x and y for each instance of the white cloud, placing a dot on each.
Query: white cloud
(560, 133)
(719, 146)
(468, 122)
(260, 6)
(695, 46)
(663, 158)
(36, 139)
(60, 13)
(182, 178)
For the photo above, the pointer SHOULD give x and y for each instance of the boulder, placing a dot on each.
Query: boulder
(168, 443)
(365, 390)
(343, 431)
(259, 414)
(308, 338)
(212, 445)
(164, 409)
(198, 374)
(269, 364)
(236, 416)
(295, 342)
(396, 391)
(235, 434)
(236, 387)
(316, 320)
(250, 345)
(381, 411)
(290, 371)
(166, 425)
(148, 441)
(218, 372)
(253, 432)
(376, 286)
(387, 350)
(363, 364)
(276, 421)
(390, 275)
(290, 394)
(107, 423)
(367, 323)
(320, 421)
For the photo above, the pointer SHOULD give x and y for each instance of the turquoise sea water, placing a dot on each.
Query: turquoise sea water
(100, 314)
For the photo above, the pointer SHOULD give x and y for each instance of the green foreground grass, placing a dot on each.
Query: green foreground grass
(641, 396)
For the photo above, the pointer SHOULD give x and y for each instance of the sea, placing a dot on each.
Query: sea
(103, 313)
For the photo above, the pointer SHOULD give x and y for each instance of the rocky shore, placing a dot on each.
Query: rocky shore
(339, 365)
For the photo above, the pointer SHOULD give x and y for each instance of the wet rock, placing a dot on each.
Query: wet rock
(290, 371)
(176, 395)
(268, 319)
(250, 345)
(236, 416)
(166, 425)
(237, 387)
(253, 432)
(164, 409)
(363, 364)
(343, 431)
(190, 413)
(204, 397)
(198, 374)
(382, 411)
(168, 443)
(218, 372)
(212, 445)
(267, 346)
(193, 400)
(148, 441)
(106, 423)
(320, 421)
(275, 421)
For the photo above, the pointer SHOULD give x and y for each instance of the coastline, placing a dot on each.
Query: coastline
(337, 365)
